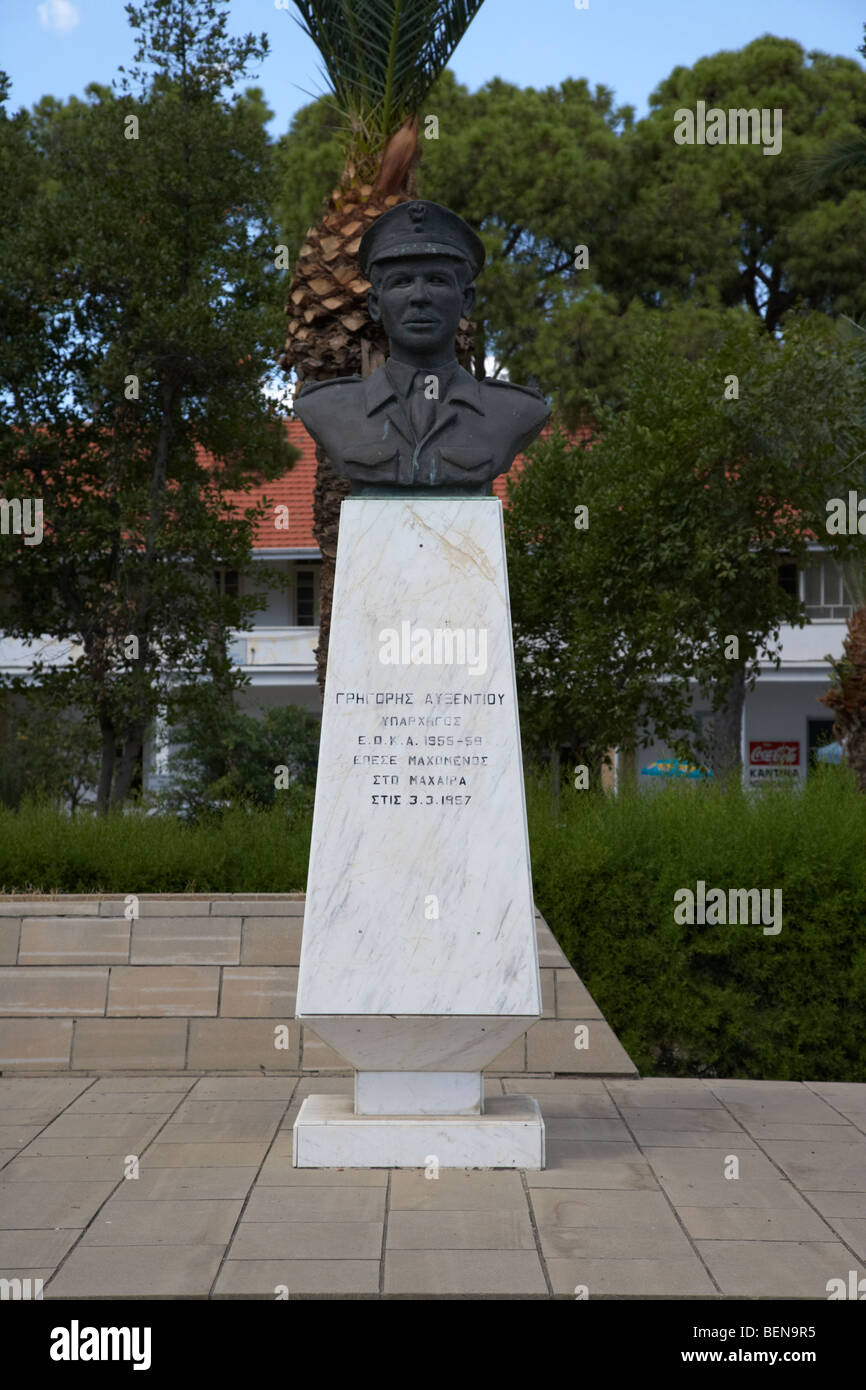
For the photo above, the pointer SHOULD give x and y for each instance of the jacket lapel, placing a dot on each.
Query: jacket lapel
(464, 388)
(379, 392)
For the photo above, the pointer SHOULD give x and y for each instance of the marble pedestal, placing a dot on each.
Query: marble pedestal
(328, 1134)
(418, 960)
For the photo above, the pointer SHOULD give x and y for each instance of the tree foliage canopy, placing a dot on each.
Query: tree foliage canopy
(139, 310)
(540, 173)
(692, 496)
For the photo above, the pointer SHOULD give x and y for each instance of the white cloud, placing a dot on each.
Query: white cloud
(58, 14)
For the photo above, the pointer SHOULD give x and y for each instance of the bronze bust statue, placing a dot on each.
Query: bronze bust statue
(421, 421)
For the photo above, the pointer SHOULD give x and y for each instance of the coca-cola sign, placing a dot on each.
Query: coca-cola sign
(774, 754)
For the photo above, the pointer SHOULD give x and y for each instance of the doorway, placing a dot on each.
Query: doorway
(820, 732)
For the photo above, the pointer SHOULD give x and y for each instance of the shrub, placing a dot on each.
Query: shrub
(238, 851)
(715, 1000)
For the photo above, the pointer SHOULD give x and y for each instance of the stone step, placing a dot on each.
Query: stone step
(152, 904)
(208, 983)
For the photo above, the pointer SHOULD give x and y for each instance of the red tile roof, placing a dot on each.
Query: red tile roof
(295, 490)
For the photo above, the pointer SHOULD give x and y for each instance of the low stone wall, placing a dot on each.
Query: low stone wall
(206, 983)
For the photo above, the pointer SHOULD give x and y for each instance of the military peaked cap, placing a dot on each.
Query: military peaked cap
(419, 229)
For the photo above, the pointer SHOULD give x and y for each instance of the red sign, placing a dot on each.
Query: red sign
(775, 754)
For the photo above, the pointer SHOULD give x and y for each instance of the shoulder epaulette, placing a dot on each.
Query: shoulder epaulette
(310, 386)
(513, 386)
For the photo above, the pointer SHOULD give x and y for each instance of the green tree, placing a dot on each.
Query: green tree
(48, 753)
(591, 645)
(727, 223)
(236, 758)
(715, 226)
(694, 492)
(138, 309)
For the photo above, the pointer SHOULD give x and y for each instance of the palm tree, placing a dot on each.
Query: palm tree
(381, 58)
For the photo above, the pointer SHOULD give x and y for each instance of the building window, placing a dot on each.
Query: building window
(789, 578)
(827, 589)
(305, 598)
(226, 582)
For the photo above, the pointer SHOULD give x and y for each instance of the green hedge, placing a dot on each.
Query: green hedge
(241, 851)
(715, 1000)
(685, 1000)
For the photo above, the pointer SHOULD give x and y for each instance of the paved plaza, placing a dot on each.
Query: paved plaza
(146, 1046)
(634, 1201)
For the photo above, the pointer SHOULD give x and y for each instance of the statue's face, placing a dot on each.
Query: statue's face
(420, 301)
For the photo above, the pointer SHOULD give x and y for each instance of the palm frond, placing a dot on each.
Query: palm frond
(852, 332)
(840, 158)
(381, 57)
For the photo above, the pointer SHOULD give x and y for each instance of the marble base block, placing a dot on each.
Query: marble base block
(418, 1092)
(328, 1134)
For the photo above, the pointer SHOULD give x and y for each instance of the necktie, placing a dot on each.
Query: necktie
(422, 412)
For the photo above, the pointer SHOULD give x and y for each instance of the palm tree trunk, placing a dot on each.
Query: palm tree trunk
(327, 499)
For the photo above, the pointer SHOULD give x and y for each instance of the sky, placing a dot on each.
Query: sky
(57, 46)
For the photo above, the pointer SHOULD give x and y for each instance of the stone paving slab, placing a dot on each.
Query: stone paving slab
(655, 1188)
(326, 1278)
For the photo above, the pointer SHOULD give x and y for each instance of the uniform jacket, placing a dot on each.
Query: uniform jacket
(362, 424)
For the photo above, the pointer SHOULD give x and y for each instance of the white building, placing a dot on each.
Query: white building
(782, 725)
(783, 720)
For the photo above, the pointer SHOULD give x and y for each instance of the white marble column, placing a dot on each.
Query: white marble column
(419, 960)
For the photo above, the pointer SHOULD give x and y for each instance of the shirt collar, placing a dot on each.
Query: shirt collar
(402, 375)
(381, 385)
